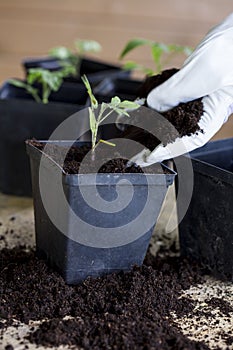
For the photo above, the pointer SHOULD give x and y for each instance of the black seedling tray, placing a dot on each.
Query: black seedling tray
(74, 93)
(94, 69)
(22, 118)
(206, 232)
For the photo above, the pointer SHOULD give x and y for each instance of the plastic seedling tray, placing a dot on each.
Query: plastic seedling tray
(206, 232)
(22, 118)
(95, 70)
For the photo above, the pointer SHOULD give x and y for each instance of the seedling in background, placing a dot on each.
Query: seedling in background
(29, 89)
(49, 81)
(105, 110)
(73, 58)
(158, 52)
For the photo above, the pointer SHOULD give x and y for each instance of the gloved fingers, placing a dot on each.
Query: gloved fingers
(140, 158)
(216, 113)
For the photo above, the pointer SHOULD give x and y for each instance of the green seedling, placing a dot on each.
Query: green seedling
(49, 81)
(73, 58)
(29, 89)
(158, 51)
(98, 113)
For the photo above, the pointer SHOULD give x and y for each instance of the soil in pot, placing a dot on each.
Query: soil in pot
(75, 156)
(120, 311)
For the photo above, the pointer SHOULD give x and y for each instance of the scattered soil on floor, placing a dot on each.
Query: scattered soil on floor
(124, 310)
(184, 117)
(223, 305)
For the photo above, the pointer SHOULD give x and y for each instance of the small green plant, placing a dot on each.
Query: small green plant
(73, 58)
(49, 81)
(158, 51)
(29, 89)
(104, 111)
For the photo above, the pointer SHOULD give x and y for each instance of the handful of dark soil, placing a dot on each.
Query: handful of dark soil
(185, 117)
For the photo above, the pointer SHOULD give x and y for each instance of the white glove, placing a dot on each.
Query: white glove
(208, 72)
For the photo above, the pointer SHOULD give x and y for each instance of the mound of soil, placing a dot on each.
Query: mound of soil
(119, 311)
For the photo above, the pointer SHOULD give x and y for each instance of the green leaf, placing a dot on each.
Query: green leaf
(132, 44)
(131, 65)
(44, 76)
(67, 70)
(108, 143)
(115, 101)
(129, 105)
(34, 74)
(61, 52)
(148, 71)
(92, 120)
(83, 46)
(94, 102)
(120, 111)
(29, 89)
(50, 81)
(17, 83)
(34, 92)
(157, 52)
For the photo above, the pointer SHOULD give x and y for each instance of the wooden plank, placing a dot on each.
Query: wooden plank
(226, 130)
(199, 9)
(37, 38)
(127, 21)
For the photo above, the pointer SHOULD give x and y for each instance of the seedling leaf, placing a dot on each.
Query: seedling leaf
(128, 105)
(106, 109)
(132, 44)
(115, 101)
(61, 52)
(29, 89)
(108, 143)
(83, 46)
(157, 51)
(94, 102)
(92, 120)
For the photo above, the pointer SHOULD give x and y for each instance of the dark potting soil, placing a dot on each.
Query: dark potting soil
(223, 305)
(184, 117)
(75, 156)
(119, 311)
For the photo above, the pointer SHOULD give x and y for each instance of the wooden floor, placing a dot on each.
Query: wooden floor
(29, 28)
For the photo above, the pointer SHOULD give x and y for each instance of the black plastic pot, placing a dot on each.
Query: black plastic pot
(74, 93)
(126, 89)
(22, 119)
(73, 259)
(206, 232)
(95, 70)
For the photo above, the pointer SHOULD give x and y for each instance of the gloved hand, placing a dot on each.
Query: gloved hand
(207, 72)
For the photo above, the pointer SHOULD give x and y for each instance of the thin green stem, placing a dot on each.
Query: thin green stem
(45, 92)
(106, 116)
(35, 96)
